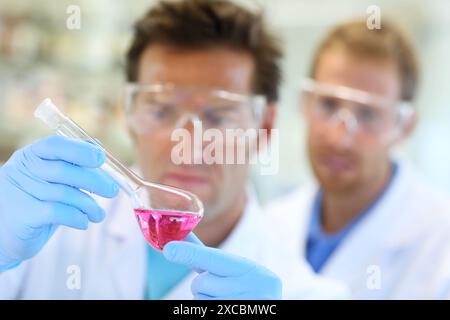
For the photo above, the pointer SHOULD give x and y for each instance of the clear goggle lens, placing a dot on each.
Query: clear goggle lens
(166, 106)
(359, 111)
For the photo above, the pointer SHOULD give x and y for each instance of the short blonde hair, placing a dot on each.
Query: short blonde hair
(385, 44)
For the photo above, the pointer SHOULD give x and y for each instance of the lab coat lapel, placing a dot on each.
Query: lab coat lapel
(244, 240)
(355, 257)
(127, 250)
(288, 219)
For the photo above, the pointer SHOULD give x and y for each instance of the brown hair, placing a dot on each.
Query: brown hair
(203, 24)
(387, 43)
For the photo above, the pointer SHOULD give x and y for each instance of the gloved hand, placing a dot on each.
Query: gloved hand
(40, 190)
(223, 275)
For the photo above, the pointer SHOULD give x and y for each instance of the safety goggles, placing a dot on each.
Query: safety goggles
(166, 106)
(361, 112)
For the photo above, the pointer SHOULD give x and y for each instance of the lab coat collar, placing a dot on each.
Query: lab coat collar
(121, 220)
(246, 228)
(375, 231)
(128, 251)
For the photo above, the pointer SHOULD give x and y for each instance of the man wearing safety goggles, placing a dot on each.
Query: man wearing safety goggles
(371, 223)
(191, 63)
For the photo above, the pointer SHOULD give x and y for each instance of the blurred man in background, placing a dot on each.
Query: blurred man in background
(371, 222)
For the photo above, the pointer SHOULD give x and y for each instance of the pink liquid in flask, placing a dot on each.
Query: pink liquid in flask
(160, 227)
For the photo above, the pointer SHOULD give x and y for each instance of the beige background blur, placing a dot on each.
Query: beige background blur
(82, 71)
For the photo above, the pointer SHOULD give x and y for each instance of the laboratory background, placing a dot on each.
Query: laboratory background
(82, 70)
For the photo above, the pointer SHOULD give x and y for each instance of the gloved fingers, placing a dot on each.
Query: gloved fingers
(77, 199)
(78, 152)
(46, 191)
(200, 296)
(260, 294)
(192, 238)
(243, 296)
(60, 214)
(216, 286)
(248, 295)
(205, 258)
(60, 172)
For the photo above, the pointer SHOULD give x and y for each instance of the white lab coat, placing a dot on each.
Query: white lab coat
(111, 259)
(399, 250)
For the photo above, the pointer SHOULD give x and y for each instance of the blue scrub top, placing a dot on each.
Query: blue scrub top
(320, 245)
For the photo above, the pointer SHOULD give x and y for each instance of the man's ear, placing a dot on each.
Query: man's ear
(411, 124)
(130, 131)
(408, 127)
(267, 124)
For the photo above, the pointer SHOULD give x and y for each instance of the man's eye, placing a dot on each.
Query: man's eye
(161, 111)
(328, 104)
(219, 115)
(155, 111)
(367, 115)
(215, 119)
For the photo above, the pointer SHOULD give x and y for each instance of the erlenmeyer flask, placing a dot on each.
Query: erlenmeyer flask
(164, 213)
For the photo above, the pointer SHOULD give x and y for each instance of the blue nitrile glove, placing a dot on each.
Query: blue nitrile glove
(223, 275)
(40, 189)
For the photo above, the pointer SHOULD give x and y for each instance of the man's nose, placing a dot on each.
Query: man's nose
(194, 127)
(343, 129)
(188, 121)
(348, 119)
